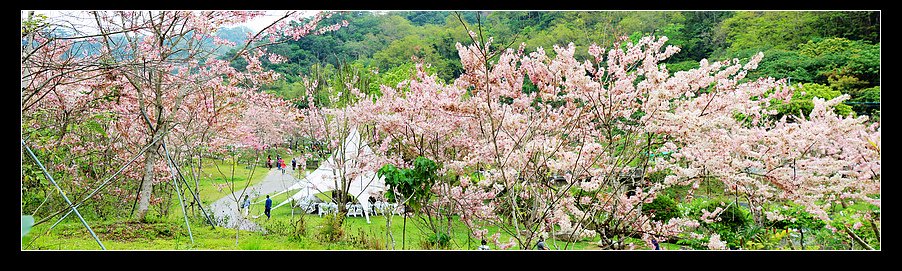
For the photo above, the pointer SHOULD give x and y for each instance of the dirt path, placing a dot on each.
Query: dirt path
(225, 210)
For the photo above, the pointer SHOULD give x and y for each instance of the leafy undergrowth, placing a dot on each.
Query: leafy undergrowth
(282, 234)
(131, 231)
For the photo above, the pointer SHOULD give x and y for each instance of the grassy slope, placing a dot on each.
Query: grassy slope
(211, 176)
(171, 234)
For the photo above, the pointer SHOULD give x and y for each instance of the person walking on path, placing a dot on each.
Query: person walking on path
(294, 163)
(279, 163)
(246, 205)
(484, 246)
(268, 161)
(282, 165)
(268, 206)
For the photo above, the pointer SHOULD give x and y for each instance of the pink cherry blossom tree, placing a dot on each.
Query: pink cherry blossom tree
(331, 131)
(423, 118)
(572, 159)
(163, 78)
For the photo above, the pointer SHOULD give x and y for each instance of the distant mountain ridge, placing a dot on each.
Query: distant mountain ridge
(237, 34)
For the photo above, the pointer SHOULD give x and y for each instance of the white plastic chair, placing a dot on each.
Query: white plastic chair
(379, 208)
(359, 209)
(333, 208)
(398, 209)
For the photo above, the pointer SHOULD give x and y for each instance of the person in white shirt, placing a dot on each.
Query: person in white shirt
(246, 205)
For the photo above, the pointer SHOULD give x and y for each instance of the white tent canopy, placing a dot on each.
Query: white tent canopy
(320, 180)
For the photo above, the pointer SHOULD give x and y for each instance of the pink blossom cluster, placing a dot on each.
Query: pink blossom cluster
(714, 243)
(711, 217)
(196, 104)
(573, 126)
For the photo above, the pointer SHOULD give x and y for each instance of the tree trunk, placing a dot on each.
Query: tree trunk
(876, 231)
(164, 211)
(147, 186)
(857, 239)
(802, 238)
(197, 184)
(391, 238)
(404, 231)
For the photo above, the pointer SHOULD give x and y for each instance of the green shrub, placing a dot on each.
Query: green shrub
(438, 240)
(663, 208)
(868, 95)
(696, 244)
(367, 241)
(331, 229)
(300, 227)
(798, 218)
(801, 100)
(682, 66)
(728, 224)
(735, 217)
(279, 227)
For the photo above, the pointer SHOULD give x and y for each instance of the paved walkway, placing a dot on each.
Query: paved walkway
(225, 210)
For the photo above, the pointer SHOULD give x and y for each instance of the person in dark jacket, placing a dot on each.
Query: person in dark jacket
(484, 245)
(540, 245)
(268, 206)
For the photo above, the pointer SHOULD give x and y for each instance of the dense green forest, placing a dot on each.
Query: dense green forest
(829, 53)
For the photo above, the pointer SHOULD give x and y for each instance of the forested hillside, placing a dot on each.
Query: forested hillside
(831, 53)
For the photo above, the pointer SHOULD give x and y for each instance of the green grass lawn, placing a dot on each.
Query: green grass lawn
(415, 236)
(211, 178)
(171, 234)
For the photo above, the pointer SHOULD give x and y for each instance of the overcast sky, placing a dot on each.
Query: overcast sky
(271, 15)
(256, 24)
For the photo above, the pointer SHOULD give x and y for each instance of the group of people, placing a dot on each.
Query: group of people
(280, 164)
(246, 206)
